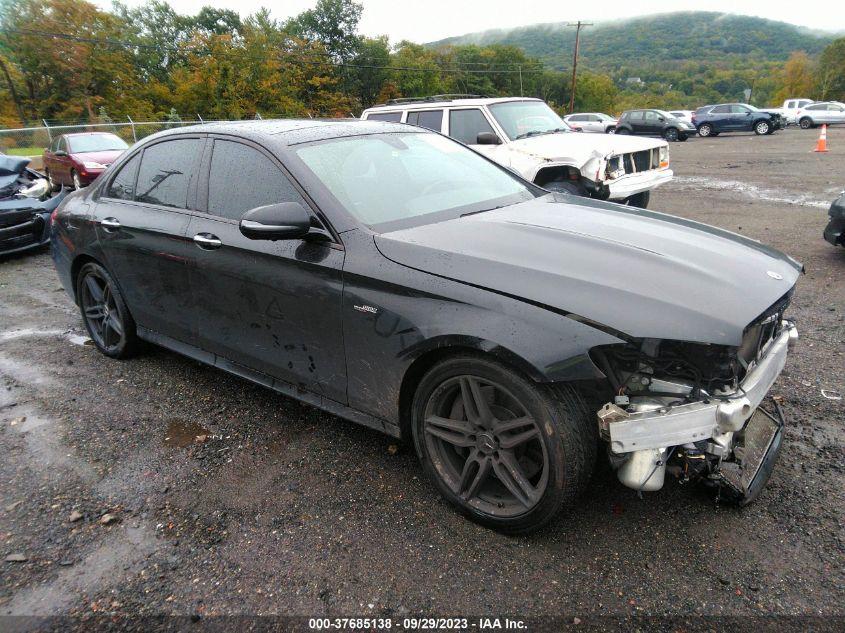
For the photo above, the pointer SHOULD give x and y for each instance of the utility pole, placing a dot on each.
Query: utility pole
(577, 26)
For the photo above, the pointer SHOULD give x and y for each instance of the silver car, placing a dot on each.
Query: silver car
(827, 112)
(591, 122)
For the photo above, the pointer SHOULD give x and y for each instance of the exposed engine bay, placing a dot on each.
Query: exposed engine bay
(693, 410)
(26, 201)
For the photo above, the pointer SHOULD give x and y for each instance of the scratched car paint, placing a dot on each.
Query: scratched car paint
(505, 331)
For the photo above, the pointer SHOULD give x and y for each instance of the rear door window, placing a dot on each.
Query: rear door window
(431, 119)
(466, 125)
(122, 186)
(268, 184)
(394, 117)
(166, 171)
(722, 109)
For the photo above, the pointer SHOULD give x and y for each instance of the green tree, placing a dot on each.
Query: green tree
(797, 77)
(830, 77)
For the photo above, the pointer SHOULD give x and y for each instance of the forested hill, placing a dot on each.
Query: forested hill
(669, 37)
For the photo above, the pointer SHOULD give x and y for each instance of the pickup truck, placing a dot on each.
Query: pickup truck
(528, 137)
(790, 108)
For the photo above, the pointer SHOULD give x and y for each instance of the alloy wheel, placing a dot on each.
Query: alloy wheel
(762, 128)
(77, 183)
(704, 130)
(671, 134)
(102, 313)
(485, 446)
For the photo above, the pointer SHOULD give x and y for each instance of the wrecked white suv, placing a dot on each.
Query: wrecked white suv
(527, 136)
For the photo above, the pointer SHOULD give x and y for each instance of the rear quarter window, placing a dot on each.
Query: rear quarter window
(393, 117)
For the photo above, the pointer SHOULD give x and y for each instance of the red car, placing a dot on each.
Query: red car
(77, 159)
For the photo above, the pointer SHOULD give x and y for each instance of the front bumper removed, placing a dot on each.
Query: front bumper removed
(643, 439)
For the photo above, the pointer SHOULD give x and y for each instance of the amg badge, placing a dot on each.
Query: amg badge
(369, 309)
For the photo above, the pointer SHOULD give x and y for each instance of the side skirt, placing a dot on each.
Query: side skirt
(280, 386)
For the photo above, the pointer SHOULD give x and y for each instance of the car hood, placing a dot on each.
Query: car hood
(638, 272)
(582, 146)
(104, 158)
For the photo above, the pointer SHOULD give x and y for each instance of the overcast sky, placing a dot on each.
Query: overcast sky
(428, 20)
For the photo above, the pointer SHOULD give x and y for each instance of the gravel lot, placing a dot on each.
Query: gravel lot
(225, 498)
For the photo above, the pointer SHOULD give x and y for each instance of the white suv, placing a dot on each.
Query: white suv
(527, 136)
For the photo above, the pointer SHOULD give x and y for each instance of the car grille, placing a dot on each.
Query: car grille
(19, 229)
(641, 161)
(762, 331)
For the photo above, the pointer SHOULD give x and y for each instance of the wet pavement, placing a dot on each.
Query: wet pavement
(226, 498)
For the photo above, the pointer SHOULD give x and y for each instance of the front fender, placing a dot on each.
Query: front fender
(391, 321)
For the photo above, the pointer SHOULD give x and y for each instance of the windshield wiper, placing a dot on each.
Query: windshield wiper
(542, 132)
(527, 134)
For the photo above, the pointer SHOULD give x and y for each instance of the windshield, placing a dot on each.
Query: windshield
(521, 119)
(386, 179)
(95, 143)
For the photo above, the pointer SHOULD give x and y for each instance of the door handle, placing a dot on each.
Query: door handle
(110, 224)
(207, 241)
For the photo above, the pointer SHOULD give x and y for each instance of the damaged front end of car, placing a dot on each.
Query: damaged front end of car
(696, 410)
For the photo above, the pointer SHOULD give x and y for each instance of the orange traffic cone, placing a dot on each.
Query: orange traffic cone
(821, 145)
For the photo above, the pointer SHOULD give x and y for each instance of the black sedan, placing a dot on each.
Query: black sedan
(394, 277)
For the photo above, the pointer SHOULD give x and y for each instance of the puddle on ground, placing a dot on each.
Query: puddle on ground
(183, 433)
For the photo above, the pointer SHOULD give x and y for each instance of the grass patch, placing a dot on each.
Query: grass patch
(23, 151)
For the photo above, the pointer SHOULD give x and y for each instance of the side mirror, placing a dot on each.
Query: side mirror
(284, 221)
(60, 152)
(661, 119)
(487, 138)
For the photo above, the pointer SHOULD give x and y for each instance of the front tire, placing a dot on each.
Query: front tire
(566, 186)
(639, 200)
(505, 452)
(622, 130)
(670, 134)
(762, 127)
(104, 312)
(705, 130)
(610, 130)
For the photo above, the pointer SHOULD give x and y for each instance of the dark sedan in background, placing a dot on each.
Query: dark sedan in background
(654, 123)
(397, 278)
(713, 120)
(75, 160)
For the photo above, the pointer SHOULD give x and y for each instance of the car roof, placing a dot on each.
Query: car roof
(292, 131)
(88, 134)
(439, 103)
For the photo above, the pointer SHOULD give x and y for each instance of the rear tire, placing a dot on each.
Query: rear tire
(705, 130)
(511, 458)
(104, 312)
(805, 123)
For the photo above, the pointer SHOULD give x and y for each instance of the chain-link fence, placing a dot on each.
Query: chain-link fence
(31, 141)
